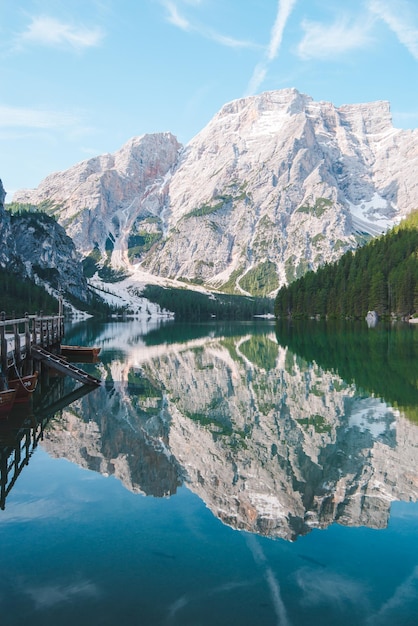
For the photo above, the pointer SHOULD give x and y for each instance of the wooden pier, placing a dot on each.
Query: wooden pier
(35, 339)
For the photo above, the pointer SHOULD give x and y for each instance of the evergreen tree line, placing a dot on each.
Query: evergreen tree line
(194, 306)
(22, 295)
(381, 276)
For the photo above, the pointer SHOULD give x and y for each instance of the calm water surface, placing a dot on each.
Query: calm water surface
(222, 474)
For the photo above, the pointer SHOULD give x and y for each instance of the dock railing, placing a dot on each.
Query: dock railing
(18, 335)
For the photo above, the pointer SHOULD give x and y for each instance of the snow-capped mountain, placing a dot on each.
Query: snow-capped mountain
(274, 185)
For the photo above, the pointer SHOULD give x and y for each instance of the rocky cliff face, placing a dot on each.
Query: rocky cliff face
(274, 185)
(271, 443)
(36, 246)
(48, 254)
(99, 200)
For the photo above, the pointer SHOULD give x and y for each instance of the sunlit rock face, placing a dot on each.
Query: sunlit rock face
(271, 443)
(98, 200)
(274, 185)
(49, 255)
(36, 246)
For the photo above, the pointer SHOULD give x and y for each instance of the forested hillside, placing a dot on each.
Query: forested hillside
(381, 276)
(193, 306)
(20, 295)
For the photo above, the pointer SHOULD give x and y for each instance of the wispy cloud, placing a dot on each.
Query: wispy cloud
(284, 9)
(22, 117)
(402, 18)
(49, 596)
(180, 21)
(327, 41)
(329, 588)
(174, 16)
(48, 31)
(229, 42)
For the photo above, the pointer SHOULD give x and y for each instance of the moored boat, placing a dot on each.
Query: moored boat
(7, 400)
(24, 387)
(80, 352)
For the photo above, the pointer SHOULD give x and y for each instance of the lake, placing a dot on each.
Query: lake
(251, 474)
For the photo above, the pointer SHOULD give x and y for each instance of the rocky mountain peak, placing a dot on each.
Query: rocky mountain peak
(274, 185)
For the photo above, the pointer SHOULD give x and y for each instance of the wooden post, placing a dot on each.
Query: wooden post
(3, 350)
(41, 326)
(61, 319)
(17, 356)
(34, 340)
(28, 354)
(3, 478)
(27, 335)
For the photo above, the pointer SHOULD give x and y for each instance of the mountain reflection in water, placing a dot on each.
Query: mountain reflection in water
(278, 430)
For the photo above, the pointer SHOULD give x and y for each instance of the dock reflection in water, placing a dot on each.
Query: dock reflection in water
(23, 428)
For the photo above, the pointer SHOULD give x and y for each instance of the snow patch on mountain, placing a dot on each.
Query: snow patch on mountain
(275, 185)
(373, 217)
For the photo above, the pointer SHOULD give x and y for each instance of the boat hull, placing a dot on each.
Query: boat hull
(7, 400)
(80, 353)
(24, 387)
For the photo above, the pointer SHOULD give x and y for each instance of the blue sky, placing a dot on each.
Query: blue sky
(81, 77)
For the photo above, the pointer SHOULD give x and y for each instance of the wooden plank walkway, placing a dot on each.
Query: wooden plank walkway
(35, 338)
(61, 365)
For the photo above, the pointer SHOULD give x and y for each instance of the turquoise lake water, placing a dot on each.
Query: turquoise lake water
(247, 474)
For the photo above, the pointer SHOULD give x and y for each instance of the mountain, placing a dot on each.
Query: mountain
(274, 185)
(35, 246)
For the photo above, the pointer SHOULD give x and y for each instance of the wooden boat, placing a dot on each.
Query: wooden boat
(7, 400)
(24, 387)
(82, 353)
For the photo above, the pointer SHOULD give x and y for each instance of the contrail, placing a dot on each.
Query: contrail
(271, 580)
(284, 9)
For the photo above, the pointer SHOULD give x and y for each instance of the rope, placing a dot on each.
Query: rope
(19, 377)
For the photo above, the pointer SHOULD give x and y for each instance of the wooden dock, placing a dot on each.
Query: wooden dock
(35, 339)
